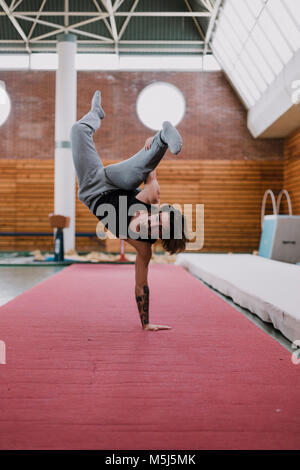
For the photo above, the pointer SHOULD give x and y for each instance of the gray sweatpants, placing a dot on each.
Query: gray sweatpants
(93, 178)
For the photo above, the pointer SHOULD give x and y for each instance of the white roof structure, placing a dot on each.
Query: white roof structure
(254, 40)
(257, 42)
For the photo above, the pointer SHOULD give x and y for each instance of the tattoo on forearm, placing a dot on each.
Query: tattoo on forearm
(143, 306)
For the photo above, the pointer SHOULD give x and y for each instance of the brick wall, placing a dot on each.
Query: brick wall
(214, 125)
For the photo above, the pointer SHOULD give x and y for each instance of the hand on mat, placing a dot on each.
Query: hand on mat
(150, 327)
(148, 143)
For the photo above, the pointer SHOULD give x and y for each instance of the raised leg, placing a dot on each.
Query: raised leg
(131, 173)
(93, 178)
(88, 165)
(85, 157)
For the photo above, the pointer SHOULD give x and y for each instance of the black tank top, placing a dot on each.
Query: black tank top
(121, 206)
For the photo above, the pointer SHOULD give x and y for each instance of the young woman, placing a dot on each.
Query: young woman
(139, 217)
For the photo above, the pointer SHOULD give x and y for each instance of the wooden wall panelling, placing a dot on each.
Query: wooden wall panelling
(7, 202)
(292, 169)
(231, 192)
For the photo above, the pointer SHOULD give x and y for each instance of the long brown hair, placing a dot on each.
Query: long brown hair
(176, 241)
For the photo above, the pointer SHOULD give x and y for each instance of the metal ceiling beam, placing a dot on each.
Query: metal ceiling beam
(15, 23)
(15, 41)
(70, 30)
(102, 39)
(108, 16)
(117, 4)
(66, 13)
(195, 21)
(36, 19)
(104, 19)
(180, 14)
(160, 42)
(196, 14)
(155, 50)
(15, 5)
(60, 29)
(126, 21)
(108, 5)
(82, 48)
(207, 4)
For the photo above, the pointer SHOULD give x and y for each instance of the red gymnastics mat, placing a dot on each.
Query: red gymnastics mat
(82, 374)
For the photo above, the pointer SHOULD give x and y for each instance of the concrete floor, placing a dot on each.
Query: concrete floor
(17, 279)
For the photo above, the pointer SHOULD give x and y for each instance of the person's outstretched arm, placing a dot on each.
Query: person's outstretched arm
(142, 292)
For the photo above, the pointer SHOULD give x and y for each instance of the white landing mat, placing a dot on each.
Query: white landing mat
(268, 288)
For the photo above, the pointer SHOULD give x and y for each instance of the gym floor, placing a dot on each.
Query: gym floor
(79, 368)
(82, 374)
(14, 280)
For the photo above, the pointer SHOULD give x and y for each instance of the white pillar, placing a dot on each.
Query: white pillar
(65, 117)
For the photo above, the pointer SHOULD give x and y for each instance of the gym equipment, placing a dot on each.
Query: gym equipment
(268, 288)
(280, 237)
(59, 222)
(122, 252)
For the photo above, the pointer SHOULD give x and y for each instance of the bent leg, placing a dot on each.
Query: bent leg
(131, 173)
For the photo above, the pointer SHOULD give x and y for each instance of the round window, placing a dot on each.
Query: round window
(160, 102)
(4, 103)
